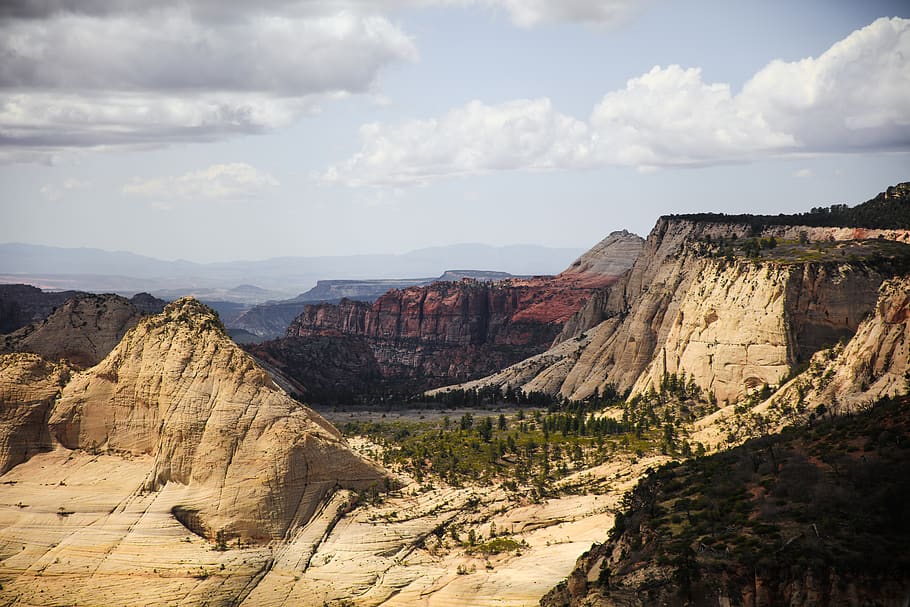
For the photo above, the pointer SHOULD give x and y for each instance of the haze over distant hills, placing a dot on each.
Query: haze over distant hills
(122, 272)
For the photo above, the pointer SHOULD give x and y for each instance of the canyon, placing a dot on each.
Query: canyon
(427, 336)
(153, 461)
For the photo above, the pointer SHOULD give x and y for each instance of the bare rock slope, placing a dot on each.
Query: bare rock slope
(84, 329)
(176, 388)
(28, 387)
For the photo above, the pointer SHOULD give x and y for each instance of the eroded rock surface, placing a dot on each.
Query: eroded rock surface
(177, 389)
(84, 329)
(730, 324)
(427, 336)
(28, 387)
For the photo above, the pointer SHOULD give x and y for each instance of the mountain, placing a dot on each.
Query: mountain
(426, 336)
(732, 304)
(120, 272)
(815, 516)
(84, 329)
(271, 319)
(21, 305)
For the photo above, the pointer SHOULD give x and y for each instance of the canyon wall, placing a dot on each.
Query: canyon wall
(422, 337)
(689, 306)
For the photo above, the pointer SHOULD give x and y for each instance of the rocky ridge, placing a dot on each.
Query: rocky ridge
(84, 329)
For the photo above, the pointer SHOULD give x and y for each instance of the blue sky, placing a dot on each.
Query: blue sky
(215, 131)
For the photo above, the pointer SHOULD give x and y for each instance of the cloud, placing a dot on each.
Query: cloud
(130, 73)
(529, 13)
(802, 173)
(56, 192)
(218, 182)
(476, 138)
(854, 96)
(669, 116)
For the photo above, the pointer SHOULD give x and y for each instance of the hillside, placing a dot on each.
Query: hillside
(817, 515)
(84, 329)
(21, 305)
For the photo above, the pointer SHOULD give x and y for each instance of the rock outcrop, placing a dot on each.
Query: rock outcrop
(271, 320)
(21, 305)
(84, 329)
(28, 387)
(178, 389)
(873, 364)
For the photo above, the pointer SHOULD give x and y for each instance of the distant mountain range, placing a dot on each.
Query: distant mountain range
(256, 281)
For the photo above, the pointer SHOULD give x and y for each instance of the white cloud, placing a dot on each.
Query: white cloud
(670, 116)
(169, 71)
(54, 192)
(802, 173)
(101, 74)
(476, 138)
(854, 96)
(217, 182)
(528, 13)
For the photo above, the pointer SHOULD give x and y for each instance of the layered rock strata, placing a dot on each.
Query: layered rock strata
(422, 337)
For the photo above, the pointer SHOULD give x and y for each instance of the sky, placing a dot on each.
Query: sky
(223, 130)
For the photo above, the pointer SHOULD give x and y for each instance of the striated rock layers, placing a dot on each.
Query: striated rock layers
(423, 337)
(254, 463)
(28, 387)
(84, 329)
(271, 320)
(731, 322)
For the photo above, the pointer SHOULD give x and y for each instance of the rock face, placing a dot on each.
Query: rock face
(612, 256)
(746, 325)
(28, 387)
(271, 320)
(733, 323)
(874, 364)
(84, 329)
(255, 464)
(423, 337)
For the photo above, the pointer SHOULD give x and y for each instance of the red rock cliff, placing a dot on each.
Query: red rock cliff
(449, 331)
